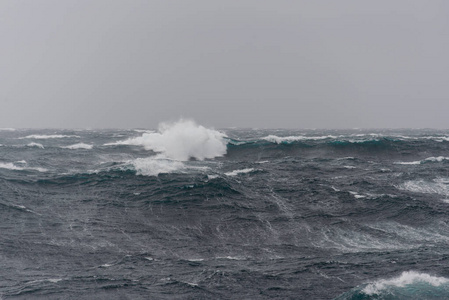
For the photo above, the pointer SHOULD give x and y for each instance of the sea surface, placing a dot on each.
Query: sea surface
(188, 212)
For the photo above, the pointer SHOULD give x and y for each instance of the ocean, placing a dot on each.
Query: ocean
(188, 212)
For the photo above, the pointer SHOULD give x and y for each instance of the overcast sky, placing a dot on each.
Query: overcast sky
(243, 63)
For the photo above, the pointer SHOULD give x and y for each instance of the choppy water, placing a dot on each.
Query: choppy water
(259, 214)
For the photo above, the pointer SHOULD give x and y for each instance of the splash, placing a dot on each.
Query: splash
(405, 279)
(181, 141)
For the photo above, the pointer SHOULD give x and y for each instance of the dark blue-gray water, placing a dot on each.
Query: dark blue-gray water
(279, 214)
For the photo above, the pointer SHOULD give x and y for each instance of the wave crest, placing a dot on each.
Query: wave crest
(181, 141)
(406, 278)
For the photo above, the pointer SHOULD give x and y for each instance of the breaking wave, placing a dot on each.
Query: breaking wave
(11, 166)
(48, 136)
(154, 167)
(409, 285)
(418, 162)
(37, 145)
(438, 186)
(288, 139)
(237, 172)
(181, 141)
(79, 146)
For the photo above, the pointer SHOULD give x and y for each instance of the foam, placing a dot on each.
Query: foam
(357, 195)
(181, 141)
(11, 166)
(418, 162)
(37, 145)
(437, 186)
(278, 140)
(50, 136)
(437, 159)
(406, 278)
(237, 172)
(7, 129)
(155, 166)
(79, 146)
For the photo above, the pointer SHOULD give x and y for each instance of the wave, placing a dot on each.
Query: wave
(11, 166)
(48, 136)
(408, 285)
(78, 146)
(37, 145)
(418, 162)
(7, 129)
(288, 139)
(237, 172)
(181, 141)
(154, 167)
(438, 186)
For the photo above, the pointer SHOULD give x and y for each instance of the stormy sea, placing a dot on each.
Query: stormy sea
(189, 212)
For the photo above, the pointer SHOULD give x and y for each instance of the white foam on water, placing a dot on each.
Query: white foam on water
(37, 145)
(437, 159)
(79, 146)
(406, 278)
(155, 166)
(181, 140)
(143, 130)
(48, 136)
(195, 259)
(237, 172)
(356, 195)
(438, 186)
(382, 236)
(11, 166)
(7, 129)
(231, 257)
(278, 140)
(418, 162)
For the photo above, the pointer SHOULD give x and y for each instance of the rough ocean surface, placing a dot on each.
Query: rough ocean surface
(186, 212)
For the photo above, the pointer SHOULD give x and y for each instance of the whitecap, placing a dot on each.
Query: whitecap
(357, 195)
(181, 141)
(154, 166)
(241, 171)
(406, 278)
(11, 166)
(79, 146)
(417, 162)
(437, 159)
(278, 140)
(48, 136)
(437, 186)
(37, 145)
(429, 159)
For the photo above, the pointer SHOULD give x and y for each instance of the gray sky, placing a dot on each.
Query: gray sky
(244, 63)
